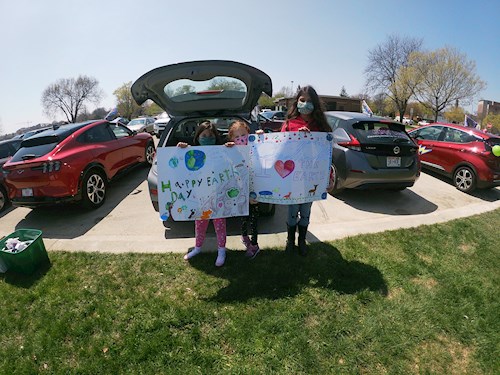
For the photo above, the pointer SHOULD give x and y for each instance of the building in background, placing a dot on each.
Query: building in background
(486, 107)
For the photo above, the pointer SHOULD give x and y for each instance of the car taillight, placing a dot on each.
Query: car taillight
(51, 166)
(353, 144)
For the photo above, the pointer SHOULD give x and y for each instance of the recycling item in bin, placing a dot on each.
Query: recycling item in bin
(23, 251)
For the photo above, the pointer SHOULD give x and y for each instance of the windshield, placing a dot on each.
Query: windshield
(137, 122)
(183, 90)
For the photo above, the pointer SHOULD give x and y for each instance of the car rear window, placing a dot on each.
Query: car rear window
(368, 132)
(185, 90)
(35, 149)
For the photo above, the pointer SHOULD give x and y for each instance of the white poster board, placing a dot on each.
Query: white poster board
(203, 182)
(290, 167)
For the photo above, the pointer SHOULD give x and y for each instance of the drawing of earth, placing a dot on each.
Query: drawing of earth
(195, 160)
(173, 162)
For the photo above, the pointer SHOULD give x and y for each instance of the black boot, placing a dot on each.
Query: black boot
(302, 240)
(290, 241)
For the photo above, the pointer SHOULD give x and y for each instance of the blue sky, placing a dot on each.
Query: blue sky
(319, 42)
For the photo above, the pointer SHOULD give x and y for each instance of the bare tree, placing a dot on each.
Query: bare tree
(444, 77)
(69, 96)
(386, 70)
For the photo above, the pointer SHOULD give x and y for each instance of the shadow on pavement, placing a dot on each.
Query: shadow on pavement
(274, 275)
(404, 202)
(72, 220)
(488, 195)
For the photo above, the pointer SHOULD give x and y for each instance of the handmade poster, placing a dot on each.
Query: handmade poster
(203, 182)
(290, 167)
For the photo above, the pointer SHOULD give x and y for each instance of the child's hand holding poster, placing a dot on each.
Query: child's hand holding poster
(290, 167)
(202, 182)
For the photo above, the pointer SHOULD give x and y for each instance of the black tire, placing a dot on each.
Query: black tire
(94, 186)
(149, 153)
(465, 179)
(4, 198)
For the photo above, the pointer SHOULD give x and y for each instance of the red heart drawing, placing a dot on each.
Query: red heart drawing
(284, 169)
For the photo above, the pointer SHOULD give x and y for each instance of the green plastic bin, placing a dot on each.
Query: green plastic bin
(29, 259)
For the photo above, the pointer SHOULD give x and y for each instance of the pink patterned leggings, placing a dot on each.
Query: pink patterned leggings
(200, 230)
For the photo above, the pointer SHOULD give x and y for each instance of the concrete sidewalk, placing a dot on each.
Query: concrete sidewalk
(128, 223)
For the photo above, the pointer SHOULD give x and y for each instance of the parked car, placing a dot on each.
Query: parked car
(7, 149)
(463, 154)
(142, 124)
(405, 121)
(74, 162)
(271, 120)
(371, 152)
(160, 123)
(188, 110)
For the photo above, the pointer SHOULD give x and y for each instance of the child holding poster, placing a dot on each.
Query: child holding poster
(207, 134)
(238, 135)
(305, 114)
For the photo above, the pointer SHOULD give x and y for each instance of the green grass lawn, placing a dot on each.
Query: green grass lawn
(417, 301)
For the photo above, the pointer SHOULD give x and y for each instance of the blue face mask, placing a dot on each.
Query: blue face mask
(305, 108)
(206, 141)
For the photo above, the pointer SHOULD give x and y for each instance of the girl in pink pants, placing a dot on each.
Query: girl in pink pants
(205, 135)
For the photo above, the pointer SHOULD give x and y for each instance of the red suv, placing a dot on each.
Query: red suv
(74, 162)
(464, 154)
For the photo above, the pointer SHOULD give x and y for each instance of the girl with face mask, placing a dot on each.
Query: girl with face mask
(305, 114)
(205, 135)
(238, 135)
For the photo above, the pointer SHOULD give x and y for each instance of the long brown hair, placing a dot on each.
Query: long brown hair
(317, 114)
(204, 126)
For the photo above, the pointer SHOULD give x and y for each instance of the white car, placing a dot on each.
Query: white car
(161, 123)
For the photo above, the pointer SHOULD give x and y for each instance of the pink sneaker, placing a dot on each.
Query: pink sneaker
(246, 241)
(252, 251)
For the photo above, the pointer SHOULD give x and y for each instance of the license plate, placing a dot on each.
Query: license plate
(27, 192)
(393, 161)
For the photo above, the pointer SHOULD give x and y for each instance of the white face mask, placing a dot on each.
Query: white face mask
(305, 108)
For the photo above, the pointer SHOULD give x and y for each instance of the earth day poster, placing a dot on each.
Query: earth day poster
(290, 167)
(203, 182)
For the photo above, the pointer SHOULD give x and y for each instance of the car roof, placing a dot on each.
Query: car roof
(476, 132)
(60, 132)
(344, 115)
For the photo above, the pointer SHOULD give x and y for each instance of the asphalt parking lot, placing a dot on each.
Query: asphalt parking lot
(128, 223)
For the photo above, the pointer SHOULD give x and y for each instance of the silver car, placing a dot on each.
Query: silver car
(142, 124)
(192, 92)
(371, 152)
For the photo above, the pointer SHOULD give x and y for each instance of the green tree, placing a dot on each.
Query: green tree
(184, 89)
(387, 70)
(226, 84)
(343, 93)
(494, 120)
(125, 103)
(152, 109)
(444, 77)
(70, 95)
(455, 114)
(266, 101)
